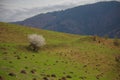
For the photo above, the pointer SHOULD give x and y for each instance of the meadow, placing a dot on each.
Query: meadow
(64, 57)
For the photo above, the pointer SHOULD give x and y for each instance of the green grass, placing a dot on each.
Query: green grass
(75, 56)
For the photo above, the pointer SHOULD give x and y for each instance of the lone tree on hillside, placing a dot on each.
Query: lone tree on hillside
(36, 41)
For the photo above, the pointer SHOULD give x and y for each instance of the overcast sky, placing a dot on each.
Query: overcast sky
(16, 10)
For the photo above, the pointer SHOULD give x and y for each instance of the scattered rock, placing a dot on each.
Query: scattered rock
(48, 75)
(83, 77)
(25, 57)
(68, 76)
(117, 58)
(1, 78)
(53, 64)
(4, 52)
(45, 64)
(10, 61)
(119, 75)
(85, 71)
(5, 58)
(99, 75)
(18, 57)
(45, 78)
(23, 72)
(56, 61)
(42, 74)
(85, 66)
(15, 52)
(26, 67)
(63, 78)
(53, 75)
(3, 48)
(71, 72)
(12, 74)
(34, 79)
(64, 73)
(33, 71)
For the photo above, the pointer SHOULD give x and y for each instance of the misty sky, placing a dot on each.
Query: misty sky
(16, 10)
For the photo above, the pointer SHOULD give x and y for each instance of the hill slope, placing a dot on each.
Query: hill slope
(93, 19)
(64, 57)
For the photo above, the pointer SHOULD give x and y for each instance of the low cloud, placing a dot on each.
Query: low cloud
(11, 15)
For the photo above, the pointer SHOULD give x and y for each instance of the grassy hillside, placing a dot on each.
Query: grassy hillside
(64, 57)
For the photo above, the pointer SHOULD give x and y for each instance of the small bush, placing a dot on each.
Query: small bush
(36, 41)
(94, 38)
(117, 58)
(116, 41)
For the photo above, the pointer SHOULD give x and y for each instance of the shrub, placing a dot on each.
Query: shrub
(116, 41)
(117, 58)
(95, 38)
(36, 41)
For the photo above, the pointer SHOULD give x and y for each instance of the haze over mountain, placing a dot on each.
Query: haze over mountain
(102, 18)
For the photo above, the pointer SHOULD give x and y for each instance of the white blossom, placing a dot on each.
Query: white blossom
(37, 40)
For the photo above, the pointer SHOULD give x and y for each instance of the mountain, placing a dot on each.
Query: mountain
(64, 57)
(102, 18)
